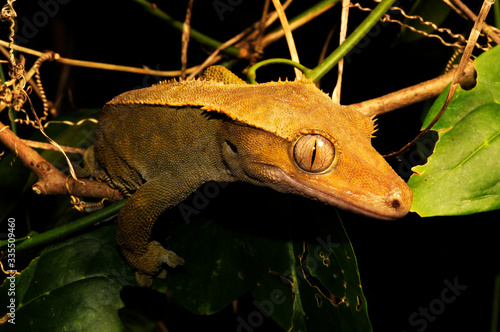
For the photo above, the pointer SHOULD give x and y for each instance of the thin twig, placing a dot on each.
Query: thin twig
(314, 12)
(258, 48)
(489, 30)
(47, 146)
(186, 28)
(288, 35)
(98, 65)
(464, 9)
(324, 49)
(414, 94)
(340, 65)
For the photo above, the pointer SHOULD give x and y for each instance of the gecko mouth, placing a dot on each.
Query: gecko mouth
(393, 205)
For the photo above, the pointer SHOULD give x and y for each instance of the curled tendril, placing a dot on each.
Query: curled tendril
(7, 11)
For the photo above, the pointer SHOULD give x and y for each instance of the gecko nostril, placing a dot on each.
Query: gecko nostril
(396, 204)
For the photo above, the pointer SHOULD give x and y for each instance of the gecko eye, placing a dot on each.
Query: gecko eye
(313, 153)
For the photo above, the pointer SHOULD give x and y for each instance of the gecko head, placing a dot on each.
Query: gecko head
(290, 136)
(347, 173)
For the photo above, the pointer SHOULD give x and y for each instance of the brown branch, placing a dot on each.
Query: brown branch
(274, 36)
(288, 35)
(463, 10)
(340, 65)
(414, 94)
(258, 49)
(52, 181)
(47, 146)
(186, 30)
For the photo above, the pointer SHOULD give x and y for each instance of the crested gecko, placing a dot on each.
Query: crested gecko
(159, 144)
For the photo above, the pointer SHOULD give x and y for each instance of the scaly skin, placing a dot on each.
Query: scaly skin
(161, 143)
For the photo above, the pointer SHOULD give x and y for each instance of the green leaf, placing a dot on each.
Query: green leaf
(211, 278)
(73, 285)
(273, 297)
(320, 289)
(462, 176)
(333, 262)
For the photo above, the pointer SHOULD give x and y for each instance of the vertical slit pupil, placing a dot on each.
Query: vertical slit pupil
(313, 157)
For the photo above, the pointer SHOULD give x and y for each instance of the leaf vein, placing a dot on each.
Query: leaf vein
(479, 148)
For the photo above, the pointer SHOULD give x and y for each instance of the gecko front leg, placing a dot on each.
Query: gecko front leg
(135, 223)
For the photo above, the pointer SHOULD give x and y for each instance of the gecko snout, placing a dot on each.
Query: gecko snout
(399, 201)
